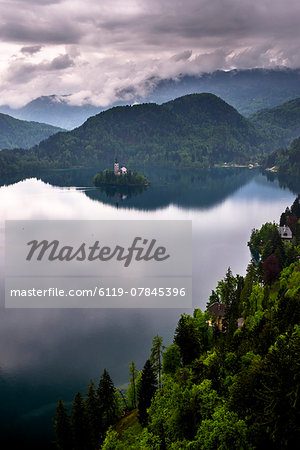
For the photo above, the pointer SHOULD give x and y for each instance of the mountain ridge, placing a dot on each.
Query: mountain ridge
(20, 133)
(246, 90)
(162, 134)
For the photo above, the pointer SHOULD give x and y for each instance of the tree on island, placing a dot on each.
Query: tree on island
(131, 178)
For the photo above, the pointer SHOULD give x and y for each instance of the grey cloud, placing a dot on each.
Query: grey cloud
(22, 72)
(31, 49)
(183, 56)
(60, 62)
(54, 33)
(123, 45)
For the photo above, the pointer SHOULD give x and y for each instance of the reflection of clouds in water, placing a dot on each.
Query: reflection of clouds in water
(33, 199)
(78, 343)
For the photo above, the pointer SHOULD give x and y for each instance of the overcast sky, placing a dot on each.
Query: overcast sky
(98, 50)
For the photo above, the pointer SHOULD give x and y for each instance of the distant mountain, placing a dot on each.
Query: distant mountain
(246, 90)
(286, 159)
(55, 110)
(196, 130)
(19, 133)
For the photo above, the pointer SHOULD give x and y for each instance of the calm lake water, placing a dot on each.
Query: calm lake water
(47, 354)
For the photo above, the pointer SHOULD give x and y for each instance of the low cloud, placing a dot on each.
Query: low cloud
(102, 52)
(31, 49)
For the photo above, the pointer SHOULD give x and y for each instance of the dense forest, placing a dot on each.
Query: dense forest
(228, 381)
(287, 159)
(280, 124)
(19, 133)
(195, 130)
(192, 131)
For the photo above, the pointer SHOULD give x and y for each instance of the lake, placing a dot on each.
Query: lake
(52, 353)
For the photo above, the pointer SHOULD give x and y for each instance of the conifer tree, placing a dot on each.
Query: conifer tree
(79, 423)
(107, 400)
(187, 337)
(156, 357)
(62, 427)
(132, 387)
(93, 416)
(146, 391)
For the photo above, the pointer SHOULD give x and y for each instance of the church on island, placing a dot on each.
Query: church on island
(117, 170)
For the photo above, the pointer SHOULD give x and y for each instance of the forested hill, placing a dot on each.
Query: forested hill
(19, 133)
(197, 129)
(280, 124)
(286, 159)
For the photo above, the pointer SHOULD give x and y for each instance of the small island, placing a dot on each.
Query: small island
(120, 177)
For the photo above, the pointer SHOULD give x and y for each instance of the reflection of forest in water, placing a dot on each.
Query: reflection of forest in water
(199, 189)
(185, 188)
(285, 181)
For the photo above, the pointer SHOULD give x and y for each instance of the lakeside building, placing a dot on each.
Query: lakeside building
(285, 233)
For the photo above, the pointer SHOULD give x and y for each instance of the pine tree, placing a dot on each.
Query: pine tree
(107, 400)
(146, 391)
(295, 208)
(187, 337)
(156, 357)
(79, 423)
(93, 415)
(132, 387)
(62, 427)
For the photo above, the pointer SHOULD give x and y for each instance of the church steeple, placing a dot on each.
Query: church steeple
(116, 167)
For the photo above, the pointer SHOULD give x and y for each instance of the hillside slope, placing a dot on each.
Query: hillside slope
(286, 159)
(198, 130)
(280, 124)
(19, 133)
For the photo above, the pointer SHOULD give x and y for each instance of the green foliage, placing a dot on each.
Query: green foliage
(280, 124)
(196, 131)
(279, 393)
(62, 428)
(93, 415)
(287, 159)
(240, 390)
(171, 359)
(131, 178)
(146, 391)
(16, 133)
(224, 431)
(132, 388)
(156, 357)
(79, 423)
(187, 337)
(108, 400)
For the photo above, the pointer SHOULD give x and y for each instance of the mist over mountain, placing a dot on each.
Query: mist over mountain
(246, 90)
(55, 110)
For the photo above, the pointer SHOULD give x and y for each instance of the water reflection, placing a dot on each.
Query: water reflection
(52, 353)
